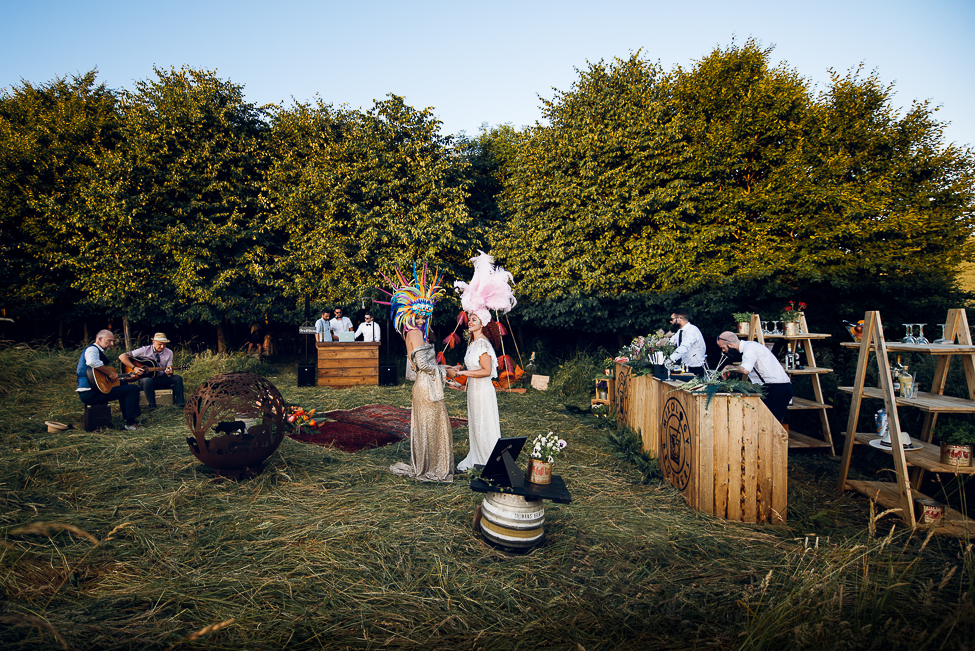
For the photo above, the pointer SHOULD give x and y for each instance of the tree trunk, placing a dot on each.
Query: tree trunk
(221, 339)
(125, 333)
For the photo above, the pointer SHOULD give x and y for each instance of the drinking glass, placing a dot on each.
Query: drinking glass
(943, 341)
(921, 339)
(909, 339)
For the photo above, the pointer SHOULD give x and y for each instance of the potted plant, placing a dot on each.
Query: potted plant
(544, 449)
(609, 366)
(790, 316)
(957, 439)
(743, 319)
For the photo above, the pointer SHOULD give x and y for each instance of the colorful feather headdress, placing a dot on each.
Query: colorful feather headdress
(413, 299)
(489, 289)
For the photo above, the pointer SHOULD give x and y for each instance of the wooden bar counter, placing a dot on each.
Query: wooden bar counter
(347, 364)
(729, 460)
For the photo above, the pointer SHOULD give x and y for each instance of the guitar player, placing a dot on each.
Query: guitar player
(95, 359)
(155, 355)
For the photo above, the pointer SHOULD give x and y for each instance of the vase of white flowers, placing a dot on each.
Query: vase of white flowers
(545, 448)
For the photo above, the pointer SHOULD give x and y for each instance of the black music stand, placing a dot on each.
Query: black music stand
(502, 475)
(501, 469)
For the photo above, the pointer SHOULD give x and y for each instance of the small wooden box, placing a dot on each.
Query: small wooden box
(97, 417)
(163, 397)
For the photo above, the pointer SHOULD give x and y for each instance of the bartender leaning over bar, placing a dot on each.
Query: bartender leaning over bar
(762, 368)
(691, 350)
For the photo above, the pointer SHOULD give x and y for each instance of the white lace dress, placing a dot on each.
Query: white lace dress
(483, 424)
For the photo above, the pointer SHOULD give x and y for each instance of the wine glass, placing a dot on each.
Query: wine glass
(943, 341)
(909, 339)
(765, 330)
(921, 339)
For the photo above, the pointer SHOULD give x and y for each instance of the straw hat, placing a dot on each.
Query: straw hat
(160, 336)
(53, 427)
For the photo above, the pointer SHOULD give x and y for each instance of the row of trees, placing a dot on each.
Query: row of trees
(726, 185)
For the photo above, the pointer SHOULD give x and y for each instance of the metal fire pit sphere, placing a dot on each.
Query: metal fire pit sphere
(244, 412)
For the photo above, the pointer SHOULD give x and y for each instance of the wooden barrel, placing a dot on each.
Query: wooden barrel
(512, 522)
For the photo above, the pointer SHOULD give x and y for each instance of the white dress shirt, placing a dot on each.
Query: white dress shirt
(369, 330)
(691, 348)
(340, 325)
(761, 364)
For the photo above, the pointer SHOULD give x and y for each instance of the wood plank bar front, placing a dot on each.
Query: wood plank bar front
(728, 458)
(347, 364)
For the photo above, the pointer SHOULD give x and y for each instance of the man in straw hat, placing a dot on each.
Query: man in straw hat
(762, 368)
(156, 355)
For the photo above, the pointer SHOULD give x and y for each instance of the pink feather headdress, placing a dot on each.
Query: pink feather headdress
(489, 289)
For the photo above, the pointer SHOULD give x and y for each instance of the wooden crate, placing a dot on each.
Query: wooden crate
(729, 459)
(348, 364)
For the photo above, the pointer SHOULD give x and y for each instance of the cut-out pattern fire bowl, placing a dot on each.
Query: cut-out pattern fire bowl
(224, 405)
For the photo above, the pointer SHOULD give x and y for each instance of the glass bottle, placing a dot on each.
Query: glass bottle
(907, 382)
(800, 356)
(895, 376)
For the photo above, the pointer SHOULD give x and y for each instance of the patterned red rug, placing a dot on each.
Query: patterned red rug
(385, 418)
(362, 428)
(346, 436)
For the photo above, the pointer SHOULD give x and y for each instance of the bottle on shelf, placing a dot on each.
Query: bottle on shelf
(907, 382)
(800, 356)
(895, 376)
(790, 358)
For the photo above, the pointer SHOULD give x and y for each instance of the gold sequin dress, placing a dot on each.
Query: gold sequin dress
(431, 439)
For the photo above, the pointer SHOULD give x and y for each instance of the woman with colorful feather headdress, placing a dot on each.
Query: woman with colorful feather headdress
(488, 290)
(431, 439)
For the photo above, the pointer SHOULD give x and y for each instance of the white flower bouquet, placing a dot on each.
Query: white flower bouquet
(546, 447)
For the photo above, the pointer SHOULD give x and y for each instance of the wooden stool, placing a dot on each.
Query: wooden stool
(163, 397)
(97, 417)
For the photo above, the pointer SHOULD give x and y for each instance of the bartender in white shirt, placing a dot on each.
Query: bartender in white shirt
(369, 329)
(691, 349)
(762, 368)
(340, 324)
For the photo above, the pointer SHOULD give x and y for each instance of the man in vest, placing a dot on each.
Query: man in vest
(94, 361)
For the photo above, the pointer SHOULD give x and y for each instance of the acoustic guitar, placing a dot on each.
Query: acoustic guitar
(99, 381)
(146, 364)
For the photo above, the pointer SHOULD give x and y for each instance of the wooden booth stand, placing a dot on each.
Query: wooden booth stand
(349, 364)
(729, 459)
(902, 493)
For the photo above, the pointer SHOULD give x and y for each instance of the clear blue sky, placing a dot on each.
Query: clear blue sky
(488, 62)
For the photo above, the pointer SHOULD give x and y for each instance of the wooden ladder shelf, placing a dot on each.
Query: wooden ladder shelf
(797, 440)
(901, 493)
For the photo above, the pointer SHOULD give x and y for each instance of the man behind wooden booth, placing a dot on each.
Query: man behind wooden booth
(762, 368)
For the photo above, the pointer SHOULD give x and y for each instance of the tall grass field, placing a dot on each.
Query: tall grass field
(123, 540)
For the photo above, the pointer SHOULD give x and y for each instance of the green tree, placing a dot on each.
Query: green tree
(51, 136)
(358, 192)
(170, 224)
(727, 184)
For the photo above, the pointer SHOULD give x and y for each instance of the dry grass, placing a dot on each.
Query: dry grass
(113, 540)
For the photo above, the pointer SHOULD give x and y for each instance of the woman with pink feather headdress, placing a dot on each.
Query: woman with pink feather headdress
(488, 290)
(431, 438)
